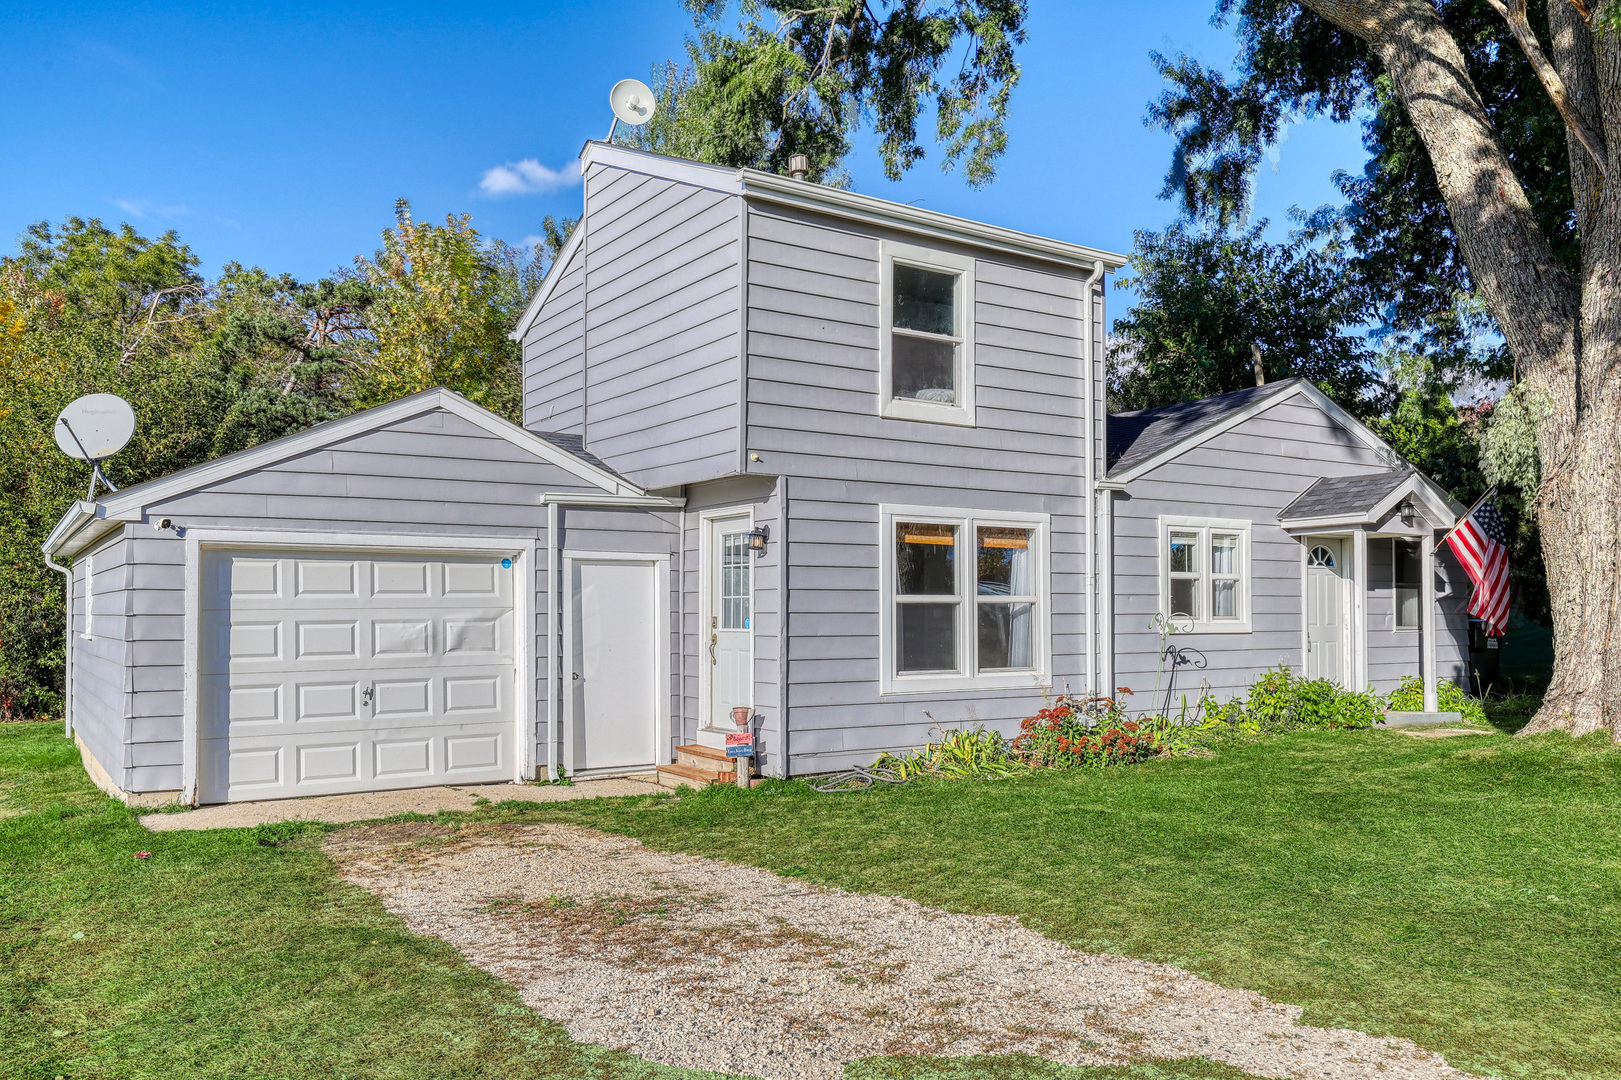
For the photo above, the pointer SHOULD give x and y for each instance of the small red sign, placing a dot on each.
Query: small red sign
(740, 744)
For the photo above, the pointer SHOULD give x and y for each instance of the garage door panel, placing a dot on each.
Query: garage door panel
(322, 579)
(292, 645)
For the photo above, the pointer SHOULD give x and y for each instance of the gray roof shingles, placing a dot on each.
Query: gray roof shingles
(1336, 496)
(1134, 437)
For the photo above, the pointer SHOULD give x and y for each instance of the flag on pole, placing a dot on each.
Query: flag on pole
(1481, 543)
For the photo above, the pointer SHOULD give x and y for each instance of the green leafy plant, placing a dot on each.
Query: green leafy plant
(1409, 697)
(960, 754)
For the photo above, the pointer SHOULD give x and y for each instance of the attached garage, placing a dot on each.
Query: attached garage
(329, 671)
(416, 595)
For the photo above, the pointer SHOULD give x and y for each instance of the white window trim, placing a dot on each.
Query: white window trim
(967, 609)
(1418, 586)
(962, 411)
(1204, 526)
(89, 631)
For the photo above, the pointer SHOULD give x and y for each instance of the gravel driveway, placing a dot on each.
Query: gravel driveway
(698, 963)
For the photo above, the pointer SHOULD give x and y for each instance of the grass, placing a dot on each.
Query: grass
(1464, 893)
(238, 953)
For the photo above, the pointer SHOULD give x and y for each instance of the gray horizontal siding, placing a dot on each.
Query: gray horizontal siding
(813, 414)
(554, 356)
(662, 295)
(1247, 473)
(1393, 655)
(434, 474)
(100, 693)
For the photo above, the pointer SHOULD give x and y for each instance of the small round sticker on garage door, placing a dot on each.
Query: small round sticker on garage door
(506, 564)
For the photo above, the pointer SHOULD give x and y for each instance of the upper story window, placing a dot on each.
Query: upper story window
(1205, 574)
(1404, 564)
(927, 346)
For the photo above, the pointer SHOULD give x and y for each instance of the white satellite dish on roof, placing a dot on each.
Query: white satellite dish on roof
(94, 428)
(632, 102)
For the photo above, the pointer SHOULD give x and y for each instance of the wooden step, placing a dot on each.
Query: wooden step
(673, 776)
(705, 757)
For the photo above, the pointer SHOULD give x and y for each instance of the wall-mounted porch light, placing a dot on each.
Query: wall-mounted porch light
(1407, 511)
(757, 538)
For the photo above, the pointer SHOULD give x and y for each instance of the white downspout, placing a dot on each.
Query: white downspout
(1090, 444)
(67, 644)
(554, 721)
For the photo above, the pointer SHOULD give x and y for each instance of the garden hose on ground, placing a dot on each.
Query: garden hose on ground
(857, 779)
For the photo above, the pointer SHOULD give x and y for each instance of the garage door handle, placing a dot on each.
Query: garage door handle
(366, 694)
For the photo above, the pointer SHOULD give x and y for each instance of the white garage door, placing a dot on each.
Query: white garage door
(329, 672)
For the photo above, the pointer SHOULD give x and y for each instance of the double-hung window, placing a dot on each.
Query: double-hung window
(965, 600)
(1204, 576)
(1404, 565)
(927, 334)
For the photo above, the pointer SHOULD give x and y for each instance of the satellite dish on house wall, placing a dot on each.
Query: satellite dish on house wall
(94, 428)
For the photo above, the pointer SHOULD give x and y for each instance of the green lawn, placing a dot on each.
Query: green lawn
(1465, 893)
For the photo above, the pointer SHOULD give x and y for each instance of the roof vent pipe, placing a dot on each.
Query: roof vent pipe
(798, 166)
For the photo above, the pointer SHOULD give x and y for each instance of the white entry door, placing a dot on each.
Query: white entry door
(727, 644)
(1325, 609)
(325, 672)
(614, 638)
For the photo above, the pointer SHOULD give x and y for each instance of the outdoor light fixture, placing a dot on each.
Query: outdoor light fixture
(757, 538)
(1406, 510)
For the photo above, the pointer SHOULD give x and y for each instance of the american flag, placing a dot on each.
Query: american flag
(1481, 544)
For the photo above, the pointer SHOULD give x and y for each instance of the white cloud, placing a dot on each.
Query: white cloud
(528, 177)
(144, 208)
(533, 240)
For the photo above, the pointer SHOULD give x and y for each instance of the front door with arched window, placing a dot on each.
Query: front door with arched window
(1326, 606)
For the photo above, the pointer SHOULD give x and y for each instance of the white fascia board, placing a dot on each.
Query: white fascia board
(932, 224)
(554, 275)
(654, 502)
(1420, 486)
(541, 448)
(713, 177)
(80, 526)
(130, 504)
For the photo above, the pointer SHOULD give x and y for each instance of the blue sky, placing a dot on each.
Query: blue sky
(280, 135)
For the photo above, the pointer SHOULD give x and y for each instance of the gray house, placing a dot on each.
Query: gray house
(838, 460)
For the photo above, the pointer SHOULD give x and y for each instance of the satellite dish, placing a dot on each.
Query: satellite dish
(632, 102)
(94, 428)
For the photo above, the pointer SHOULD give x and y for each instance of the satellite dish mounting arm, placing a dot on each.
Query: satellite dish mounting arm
(95, 465)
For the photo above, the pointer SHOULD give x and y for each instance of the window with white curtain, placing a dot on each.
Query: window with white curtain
(1405, 558)
(965, 600)
(1204, 575)
(926, 300)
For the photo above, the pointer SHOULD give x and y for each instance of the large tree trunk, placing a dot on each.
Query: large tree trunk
(1566, 339)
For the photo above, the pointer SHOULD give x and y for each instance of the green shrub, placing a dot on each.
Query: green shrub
(1409, 697)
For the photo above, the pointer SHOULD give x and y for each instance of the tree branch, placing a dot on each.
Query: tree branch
(1514, 13)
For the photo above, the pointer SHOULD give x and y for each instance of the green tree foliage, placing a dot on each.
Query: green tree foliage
(1294, 65)
(1205, 298)
(799, 79)
(216, 367)
(441, 305)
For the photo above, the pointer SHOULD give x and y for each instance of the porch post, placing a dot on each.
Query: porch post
(1359, 610)
(1426, 619)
